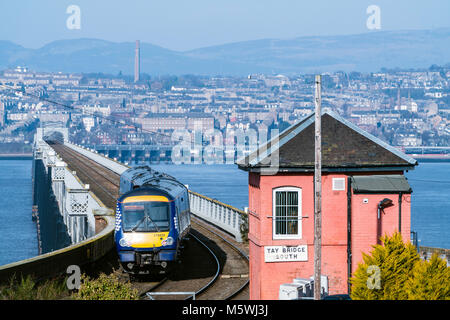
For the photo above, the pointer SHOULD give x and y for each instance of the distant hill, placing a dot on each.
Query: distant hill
(363, 52)
(11, 52)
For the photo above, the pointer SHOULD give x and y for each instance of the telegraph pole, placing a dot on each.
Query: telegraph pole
(318, 191)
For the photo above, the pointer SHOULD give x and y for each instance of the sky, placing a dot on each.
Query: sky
(184, 25)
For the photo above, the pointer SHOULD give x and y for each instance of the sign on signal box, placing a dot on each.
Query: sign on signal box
(285, 253)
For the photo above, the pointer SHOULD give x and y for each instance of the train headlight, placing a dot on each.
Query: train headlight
(168, 241)
(124, 243)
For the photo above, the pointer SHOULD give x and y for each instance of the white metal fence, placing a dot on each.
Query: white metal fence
(75, 201)
(226, 217)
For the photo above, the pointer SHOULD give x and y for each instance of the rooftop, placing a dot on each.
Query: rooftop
(345, 147)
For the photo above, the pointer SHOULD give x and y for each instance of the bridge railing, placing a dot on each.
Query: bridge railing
(111, 164)
(76, 203)
(226, 217)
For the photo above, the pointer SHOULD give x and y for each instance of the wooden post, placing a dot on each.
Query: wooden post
(318, 192)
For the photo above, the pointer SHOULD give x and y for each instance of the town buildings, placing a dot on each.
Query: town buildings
(403, 108)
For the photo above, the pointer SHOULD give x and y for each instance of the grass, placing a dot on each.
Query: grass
(102, 287)
(29, 289)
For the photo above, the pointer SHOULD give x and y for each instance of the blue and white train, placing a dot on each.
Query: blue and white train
(152, 220)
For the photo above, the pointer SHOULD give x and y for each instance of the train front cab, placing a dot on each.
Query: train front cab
(146, 233)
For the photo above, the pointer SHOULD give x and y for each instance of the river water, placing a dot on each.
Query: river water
(18, 235)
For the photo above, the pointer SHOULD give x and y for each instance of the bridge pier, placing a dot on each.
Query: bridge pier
(139, 156)
(112, 154)
(125, 156)
(154, 156)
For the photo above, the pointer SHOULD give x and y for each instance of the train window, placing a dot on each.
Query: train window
(149, 216)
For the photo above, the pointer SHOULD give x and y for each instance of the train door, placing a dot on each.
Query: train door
(185, 213)
(178, 225)
(187, 209)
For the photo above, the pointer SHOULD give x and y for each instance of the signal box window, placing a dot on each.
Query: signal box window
(286, 215)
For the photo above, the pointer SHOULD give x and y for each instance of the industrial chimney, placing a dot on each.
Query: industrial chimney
(137, 57)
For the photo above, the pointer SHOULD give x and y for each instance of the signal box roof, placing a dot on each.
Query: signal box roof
(345, 147)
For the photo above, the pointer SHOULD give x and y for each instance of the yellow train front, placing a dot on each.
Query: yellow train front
(152, 221)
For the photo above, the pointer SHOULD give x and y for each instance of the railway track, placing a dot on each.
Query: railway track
(233, 278)
(102, 181)
(228, 281)
(212, 265)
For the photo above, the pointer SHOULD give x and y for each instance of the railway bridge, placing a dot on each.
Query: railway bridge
(74, 197)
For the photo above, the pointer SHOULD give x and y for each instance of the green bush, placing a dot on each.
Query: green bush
(105, 287)
(430, 280)
(394, 271)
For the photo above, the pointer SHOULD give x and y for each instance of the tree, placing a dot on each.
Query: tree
(394, 271)
(430, 280)
(384, 272)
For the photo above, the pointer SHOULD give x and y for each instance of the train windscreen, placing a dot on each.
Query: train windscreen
(149, 216)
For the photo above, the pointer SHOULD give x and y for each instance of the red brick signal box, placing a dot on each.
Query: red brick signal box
(364, 195)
